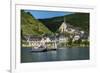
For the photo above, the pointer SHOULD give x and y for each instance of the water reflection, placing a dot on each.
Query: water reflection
(58, 55)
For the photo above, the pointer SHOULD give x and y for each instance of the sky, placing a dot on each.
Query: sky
(47, 14)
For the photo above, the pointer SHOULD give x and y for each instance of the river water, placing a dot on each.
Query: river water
(64, 54)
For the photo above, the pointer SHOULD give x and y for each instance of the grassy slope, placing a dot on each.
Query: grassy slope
(31, 26)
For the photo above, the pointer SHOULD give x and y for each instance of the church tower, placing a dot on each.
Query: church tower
(63, 26)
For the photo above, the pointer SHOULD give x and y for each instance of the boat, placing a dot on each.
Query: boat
(44, 48)
(38, 50)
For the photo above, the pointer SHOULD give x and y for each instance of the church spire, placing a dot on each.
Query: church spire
(64, 19)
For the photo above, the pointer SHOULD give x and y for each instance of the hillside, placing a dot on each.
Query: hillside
(31, 26)
(80, 20)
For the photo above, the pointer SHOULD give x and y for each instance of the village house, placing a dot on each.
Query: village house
(41, 42)
(62, 39)
(33, 41)
(76, 37)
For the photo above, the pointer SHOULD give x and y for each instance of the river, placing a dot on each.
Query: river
(56, 55)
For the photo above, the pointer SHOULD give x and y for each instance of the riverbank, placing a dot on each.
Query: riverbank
(61, 47)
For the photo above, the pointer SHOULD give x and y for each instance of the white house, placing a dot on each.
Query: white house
(70, 30)
(76, 37)
(47, 39)
(82, 32)
(63, 39)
